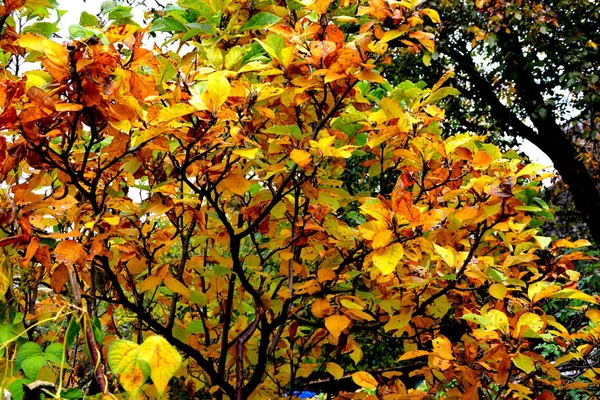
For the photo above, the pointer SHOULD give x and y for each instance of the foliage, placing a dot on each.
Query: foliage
(253, 195)
(526, 70)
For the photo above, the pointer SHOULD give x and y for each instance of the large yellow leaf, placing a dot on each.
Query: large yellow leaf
(124, 360)
(364, 379)
(162, 358)
(54, 51)
(448, 254)
(524, 363)
(336, 324)
(218, 88)
(335, 370)
(387, 258)
(442, 347)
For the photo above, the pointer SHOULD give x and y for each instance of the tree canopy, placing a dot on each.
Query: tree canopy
(235, 202)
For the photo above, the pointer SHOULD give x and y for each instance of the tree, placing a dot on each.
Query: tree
(538, 81)
(249, 206)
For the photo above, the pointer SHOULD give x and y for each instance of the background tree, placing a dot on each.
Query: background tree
(526, 70)
(251, 205)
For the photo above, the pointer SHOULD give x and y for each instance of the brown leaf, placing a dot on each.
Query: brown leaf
(59, 277)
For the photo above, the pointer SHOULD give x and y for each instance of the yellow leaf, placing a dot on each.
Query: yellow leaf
(114, 220)
(176, 111)
(529, 322)
(573, 294)
(301, 157)
(442, 347)
(382, 239)
(398, 323)
(448, 254)
(413, 354)
(498, 290)
(498, 320)
(425, 38)
(387, 258)
(218, 88)
(246, 153)
(350, 304)
(390, 35)
(365, 380)
(336, 324)
(236, 184)
(150, 282)
(176, 287)
(55, 52)
(433, 15)
(335, 370)
(163, 360)
(124, 360)
(524, 363)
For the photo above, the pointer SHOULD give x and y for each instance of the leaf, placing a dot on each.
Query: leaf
(69, 251)
(162, 359)
(432, 14)
(246, 153)
(448, 254)
(321, 307)
(364, 380)
(218, 89)
(498, 290)
(167, 25)
(125, 361)
(336, 324)
(335, 370)
(442, 348)
(27, 350)
(387, 258)
(32, 365)
(301, 157)
(55, 52)
(10, 6)
(413, 354)
(260, 21)
(174, 112)
(573, 294)
(523, 362)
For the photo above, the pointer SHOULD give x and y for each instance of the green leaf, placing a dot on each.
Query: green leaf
(163, 360)
(260, 21)
(27, 350)
(167, 25)
(195, 326)
(32, 365)
(72, 393)
(16, 388)
(87, 19)
(42, 28)
(54, 353)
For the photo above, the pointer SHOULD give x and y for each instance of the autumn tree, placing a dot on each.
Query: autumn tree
(245, 208)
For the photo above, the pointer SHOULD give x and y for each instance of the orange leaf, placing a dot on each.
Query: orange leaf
(336, 324)
(364, 379)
